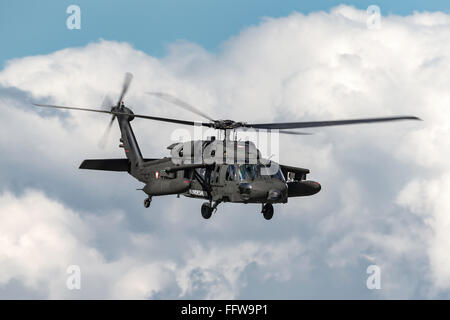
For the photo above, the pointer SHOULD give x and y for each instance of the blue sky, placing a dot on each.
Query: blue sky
(38, 27)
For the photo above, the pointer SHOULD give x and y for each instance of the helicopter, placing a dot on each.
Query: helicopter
(211, 169)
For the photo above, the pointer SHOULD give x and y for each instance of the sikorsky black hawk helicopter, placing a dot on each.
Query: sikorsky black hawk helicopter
(216, 170)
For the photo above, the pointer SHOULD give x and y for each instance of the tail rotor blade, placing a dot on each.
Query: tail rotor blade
(104, 139)
(107, 103)
(126, 85)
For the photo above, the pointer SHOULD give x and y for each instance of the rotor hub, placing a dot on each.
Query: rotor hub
(123, 111)
(227, 124)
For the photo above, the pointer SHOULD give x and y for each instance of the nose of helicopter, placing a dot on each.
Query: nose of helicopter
(273, 191)
(277, 192)
(274, 195)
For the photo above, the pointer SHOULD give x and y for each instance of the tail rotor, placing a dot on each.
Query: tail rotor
(107, 105)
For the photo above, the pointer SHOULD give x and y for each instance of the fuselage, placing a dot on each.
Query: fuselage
(241, 183)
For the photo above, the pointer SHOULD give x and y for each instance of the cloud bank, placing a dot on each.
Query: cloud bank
(385, 187)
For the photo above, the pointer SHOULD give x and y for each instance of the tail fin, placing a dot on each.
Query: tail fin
(128, 140)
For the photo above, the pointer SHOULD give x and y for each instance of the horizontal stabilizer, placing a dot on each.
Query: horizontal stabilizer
(108, 164)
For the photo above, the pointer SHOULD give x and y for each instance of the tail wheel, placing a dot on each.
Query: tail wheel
(147, 202)
(267, 211)
(206, 210)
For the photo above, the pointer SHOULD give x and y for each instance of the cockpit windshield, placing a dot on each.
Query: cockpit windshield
(248, 172)
(278, 175)
(252, 171)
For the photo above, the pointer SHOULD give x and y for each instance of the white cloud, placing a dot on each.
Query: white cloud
(40, 238)
(427, 198)
(219, 269)
(385, 187)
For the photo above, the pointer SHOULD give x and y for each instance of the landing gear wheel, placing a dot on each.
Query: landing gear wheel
(267, 211)
(206, 210)
(147, 202)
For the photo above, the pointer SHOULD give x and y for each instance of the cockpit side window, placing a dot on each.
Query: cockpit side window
(279, 175)
(248, 172)
(266, 172)
(230, 174)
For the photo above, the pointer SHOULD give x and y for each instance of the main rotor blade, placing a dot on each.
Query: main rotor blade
(70, 108)
(125, 86)
(104, 139)
(313, 124)
(185, 122)
(169, 98)
(297, 133)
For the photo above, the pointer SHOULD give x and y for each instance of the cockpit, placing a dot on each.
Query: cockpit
(248, 172)
(253, 171)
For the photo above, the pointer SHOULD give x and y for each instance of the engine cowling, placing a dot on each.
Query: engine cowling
(161, 187)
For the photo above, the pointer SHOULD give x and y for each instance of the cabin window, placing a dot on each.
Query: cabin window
(215, 175)
(201, 172)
